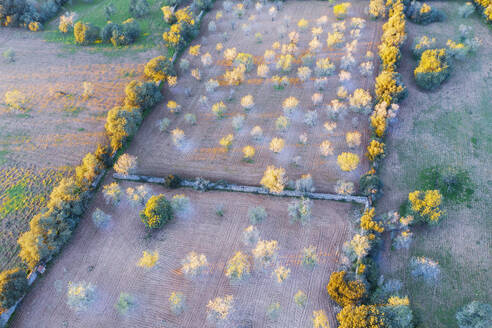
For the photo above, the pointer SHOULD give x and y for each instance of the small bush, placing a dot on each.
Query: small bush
(148, 259)
(433, 69)
(112, 193)
(475, 315)
(177, 302)
(219, 308)
(85, 33)
(422, 13)
(172, 181)
(9, 55)
(157, 212)
(126, 164)
(193, 264)
(300, 298)
(238, 266)
(425, 269)
(80, 295)
(421, 44)
(309, 257)
(305, 183)
(273, 311)
(124, 304)
(180, 203)
(16, 100)
(300, 210)
(100, 219)
(257, 214)
(251, 236)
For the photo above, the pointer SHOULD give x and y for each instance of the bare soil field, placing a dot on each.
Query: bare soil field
(57, 128)
(447, 127)
(203, 156)
(107, 258)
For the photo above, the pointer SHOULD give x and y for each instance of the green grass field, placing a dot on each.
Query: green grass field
(448, 127)
(152, 26)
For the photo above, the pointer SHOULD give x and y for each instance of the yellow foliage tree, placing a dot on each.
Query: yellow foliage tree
(426, 204)
(363, 316)
(274, 179)
(343, 292)
(375, 150)
(367, 223)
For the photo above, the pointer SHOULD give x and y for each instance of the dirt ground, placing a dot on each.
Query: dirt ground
(203, 156)
(59, 126)
(114, 252)
(447, 127)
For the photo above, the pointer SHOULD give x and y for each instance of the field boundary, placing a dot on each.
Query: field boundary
(225, 186)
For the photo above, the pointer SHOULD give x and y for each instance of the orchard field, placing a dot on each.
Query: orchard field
(255, 33)
(108, 259)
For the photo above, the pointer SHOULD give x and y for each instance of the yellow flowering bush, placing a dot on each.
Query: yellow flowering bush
(148, 259)
(363, 316)
(340, 10)
(377, 8)
(277, 144)
(320, 319)
(168, 13)
(425, 204)
(226, 141)
(353, 139)
(360, 101)
(334, 40)
(235, 76)
(433, 69)
(348, 161)
(375, 150)
(248, 152)
(238, 266)
(390, 56)
(368, 224)
(389, 87)
(326, 148)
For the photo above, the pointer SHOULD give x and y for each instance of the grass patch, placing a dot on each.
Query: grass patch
(454, 183)
(73, 110)
(152, 26)
(3, 155)
(15, 197)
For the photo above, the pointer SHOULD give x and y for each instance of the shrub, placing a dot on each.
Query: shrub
(238, 121)
(100, 219)
(180, 203)
(425, 205)
(157, 212)
(305, 183)
(9, 55)
(466, 10)
(368, 224)
(194, 264)
(425, 269)
(273, 311)
(397, 313)
(300, 210)
(370, 185)
(421, 44)
(475, 315)
(360, 101)
(66, 22)
(251, 236)
(326, 148)
(139, 8)
(109, 10)
(277, 144)
(148, 259)
(433, 69)
(389, 87)
(219, 308)
(257, 214)
(361, 316)
(344, 187)
(324, 67)
(85, 33)
(138, 196)
(353, 139)
(348, 161)
(289, 105)
(121, 34)
(310, 118)
(13, 285)
(422, 13)
(238, 266)
(274, 179)
(340, 10)
(126, 164)
(309, 257)
(159, 69)
(226, 141)
(112, 193)
(177, 302)
(265, 252)
(457, 50)
(377, 8)
(80, 295)
(125, 303)
(142, 94)
(300, 298)
(248, 152)
(375, 150)
(16, 100)
(304, 73)
(219, 109)
(244, 59)
(345, 292)
(320, 319)
(366, 68)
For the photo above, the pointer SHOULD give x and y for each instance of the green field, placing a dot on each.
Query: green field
(152, 26)
(448, 127)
